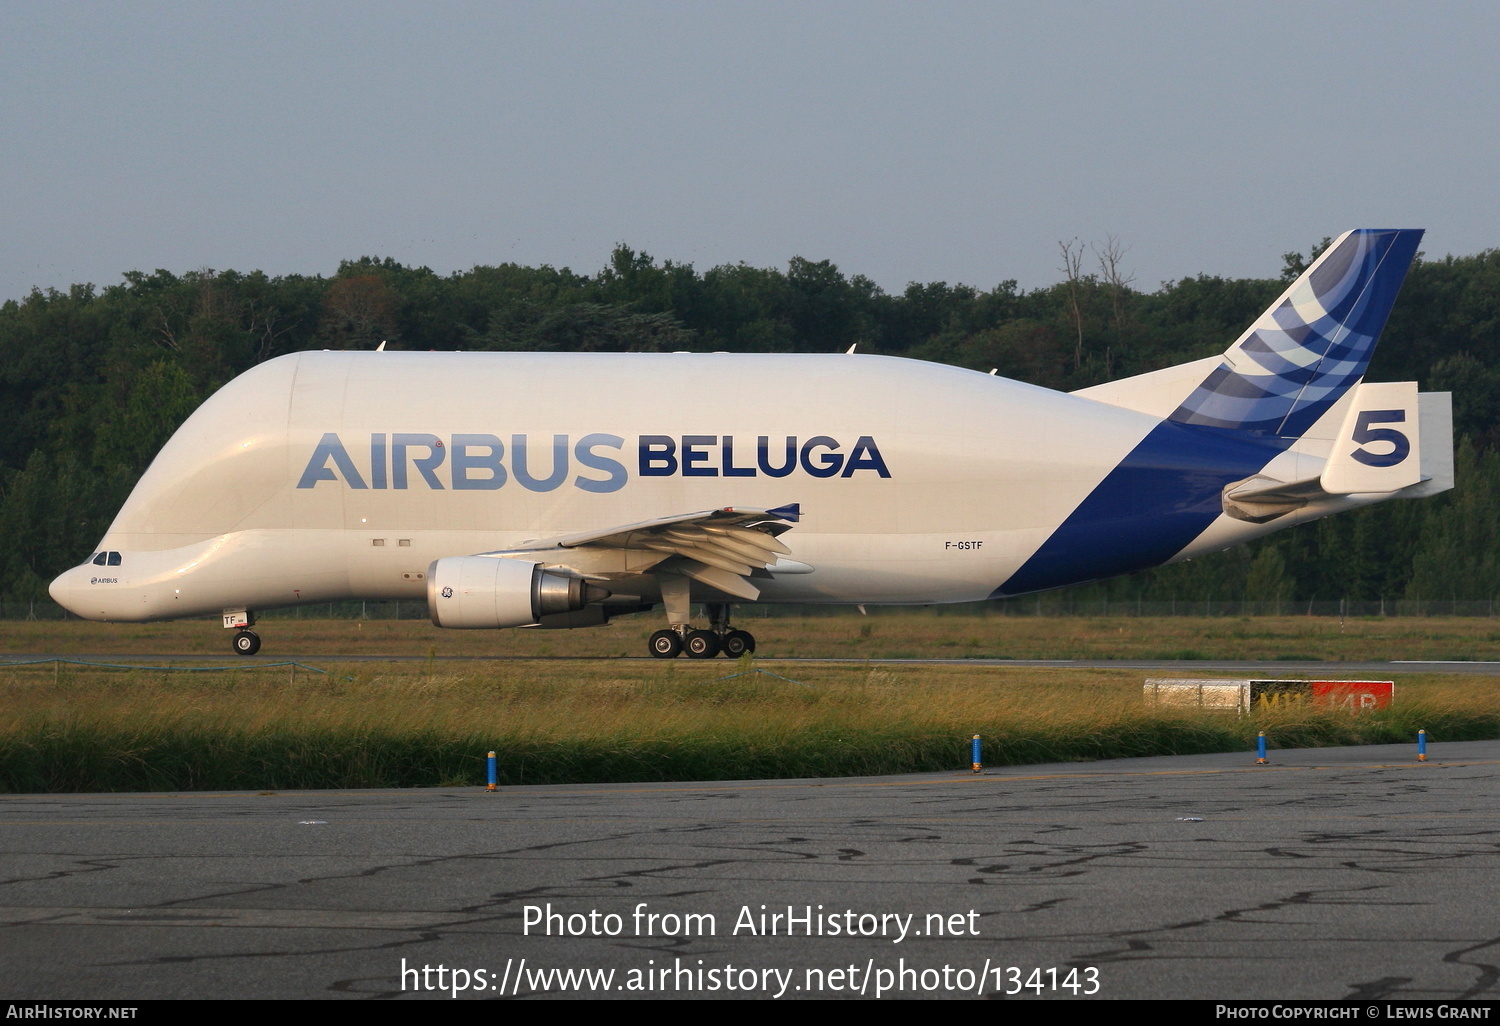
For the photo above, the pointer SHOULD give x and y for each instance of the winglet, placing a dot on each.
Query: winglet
(792, 512)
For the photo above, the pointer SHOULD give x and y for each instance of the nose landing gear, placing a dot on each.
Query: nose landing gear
(246, 642)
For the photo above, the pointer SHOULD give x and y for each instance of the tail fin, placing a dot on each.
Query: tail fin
(1314, 342)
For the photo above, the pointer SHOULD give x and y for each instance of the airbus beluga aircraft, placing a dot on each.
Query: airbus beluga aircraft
(557, 490)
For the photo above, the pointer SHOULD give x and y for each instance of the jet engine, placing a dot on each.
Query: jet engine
(485, 592)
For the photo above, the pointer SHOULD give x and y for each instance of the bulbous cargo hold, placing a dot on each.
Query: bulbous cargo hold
(555, 490)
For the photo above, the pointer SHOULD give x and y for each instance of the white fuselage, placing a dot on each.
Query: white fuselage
(324, 476)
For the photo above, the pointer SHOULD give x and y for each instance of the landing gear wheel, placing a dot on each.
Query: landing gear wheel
(665, 644)
(737, 643)
(701, 644)
(246, 643)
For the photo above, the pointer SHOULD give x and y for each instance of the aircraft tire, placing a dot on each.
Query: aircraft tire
(665, 644)
(246, 643)
(737, 643)
(701, 644)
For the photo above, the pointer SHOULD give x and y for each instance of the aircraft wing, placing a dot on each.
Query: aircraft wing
(719, 547)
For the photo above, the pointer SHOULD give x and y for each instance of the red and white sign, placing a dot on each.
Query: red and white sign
(1353, 695)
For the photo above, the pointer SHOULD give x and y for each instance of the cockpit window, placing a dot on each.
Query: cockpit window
(98, 559)
(105, 559)
(114, 559)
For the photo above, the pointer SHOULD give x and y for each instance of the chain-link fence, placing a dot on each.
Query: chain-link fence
(1067, 605)
(402, 610)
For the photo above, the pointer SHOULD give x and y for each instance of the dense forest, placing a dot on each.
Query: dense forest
(93, 381)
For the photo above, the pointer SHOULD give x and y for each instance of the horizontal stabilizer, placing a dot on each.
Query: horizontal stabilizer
(1392, 439)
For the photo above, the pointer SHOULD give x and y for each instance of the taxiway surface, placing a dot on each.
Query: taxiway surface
(1333, 873)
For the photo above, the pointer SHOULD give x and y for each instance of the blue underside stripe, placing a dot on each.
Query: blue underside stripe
(1161, 497)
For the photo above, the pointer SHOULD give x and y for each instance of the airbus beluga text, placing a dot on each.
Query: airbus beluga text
(555, 490)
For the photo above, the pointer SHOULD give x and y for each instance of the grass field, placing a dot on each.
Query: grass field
(882, 635)
(551, 719)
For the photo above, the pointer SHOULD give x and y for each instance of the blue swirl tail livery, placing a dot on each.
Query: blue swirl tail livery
(559, 490)
(1233, 446)
(1312, 345)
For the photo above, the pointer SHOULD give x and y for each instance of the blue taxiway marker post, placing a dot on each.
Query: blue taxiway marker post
(492, 773)
(1260, 750)
(974, 755)
(1421, 746)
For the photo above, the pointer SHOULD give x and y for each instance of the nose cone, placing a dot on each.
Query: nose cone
(63, 590)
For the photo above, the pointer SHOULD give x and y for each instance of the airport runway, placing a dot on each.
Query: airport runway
(1188, 667)
(1333, 873)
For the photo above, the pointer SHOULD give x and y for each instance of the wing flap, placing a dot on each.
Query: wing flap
(762, 538)
(728, 583)
(717, 547)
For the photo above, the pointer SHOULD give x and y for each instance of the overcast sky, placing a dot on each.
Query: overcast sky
(953, 142)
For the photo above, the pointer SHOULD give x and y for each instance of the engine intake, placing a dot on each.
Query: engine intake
(486, 592)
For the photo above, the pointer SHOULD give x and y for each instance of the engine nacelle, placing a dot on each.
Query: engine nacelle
(485, 592)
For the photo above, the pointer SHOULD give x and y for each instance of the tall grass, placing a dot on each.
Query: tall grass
(886, 634)
(425, 725)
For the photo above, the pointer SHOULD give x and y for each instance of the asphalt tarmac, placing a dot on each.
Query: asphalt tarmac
(1353, 873)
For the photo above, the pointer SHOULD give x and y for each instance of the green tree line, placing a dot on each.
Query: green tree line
(93, 381)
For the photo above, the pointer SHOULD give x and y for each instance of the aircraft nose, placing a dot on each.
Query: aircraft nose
(61, 589)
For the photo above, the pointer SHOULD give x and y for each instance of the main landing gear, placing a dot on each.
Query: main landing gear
(720, 638)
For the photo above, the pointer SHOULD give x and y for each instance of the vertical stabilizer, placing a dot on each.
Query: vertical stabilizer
(1314, 342)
